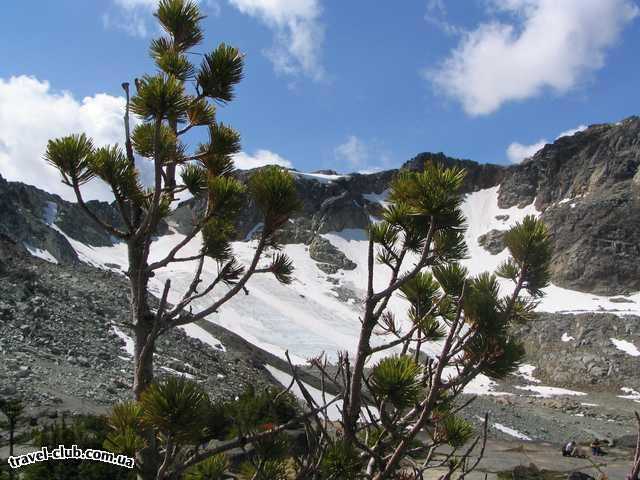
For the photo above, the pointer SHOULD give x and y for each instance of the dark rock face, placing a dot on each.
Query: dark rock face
(329, 257)
(22, 220)
(493, 241)
(577, 350)
(579, 476)
(588, 188)
(28, 213)
(479, 176)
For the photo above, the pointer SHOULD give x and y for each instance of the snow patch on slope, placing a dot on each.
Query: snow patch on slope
(39, 253)
(480, 210)
(511, 432)
(128, 341)
(631, 394)
(547, 392)
(380, 198)
(626, 347)
(305, 317)
(318, 177)
(526, 371)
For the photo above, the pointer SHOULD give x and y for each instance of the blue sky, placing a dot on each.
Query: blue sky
(349, 85)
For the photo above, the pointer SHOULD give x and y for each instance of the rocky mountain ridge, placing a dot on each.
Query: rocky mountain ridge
(585, 186)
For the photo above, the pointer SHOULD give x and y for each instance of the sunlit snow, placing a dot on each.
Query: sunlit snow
(526, 371)
(39, 253)
(319, 177)
(631, 394)
(547, 392)
(511, 432)
(128, 341)
(626, 347)
(306, 317)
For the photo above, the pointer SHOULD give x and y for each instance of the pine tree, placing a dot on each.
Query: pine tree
(12, 409)
(167, 111)
(405, 392)
(634, 473)
(420, 242)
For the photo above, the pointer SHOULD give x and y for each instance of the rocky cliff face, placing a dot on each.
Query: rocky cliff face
(588, 188)
(583, 351)
(28, 213)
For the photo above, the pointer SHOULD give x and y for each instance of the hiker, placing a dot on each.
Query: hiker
(569, 449)
(596, 448)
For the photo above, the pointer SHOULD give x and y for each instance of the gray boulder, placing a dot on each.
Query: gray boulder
(493, 241)
(329, 257)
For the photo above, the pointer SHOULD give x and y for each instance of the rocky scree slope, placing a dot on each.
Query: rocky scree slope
(64, 345)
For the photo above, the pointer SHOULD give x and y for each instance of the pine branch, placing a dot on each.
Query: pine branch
(240, 441)
(106, 226)
(422, 262)
(150, 218)
(231, 292)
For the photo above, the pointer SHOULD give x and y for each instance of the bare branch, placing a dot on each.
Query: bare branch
(150, 218)
(231, 292)
(106, 226)
(174, 251)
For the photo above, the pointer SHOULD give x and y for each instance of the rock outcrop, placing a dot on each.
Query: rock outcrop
(579, 350)
(588, 188)
(493, 241)
(329, 258)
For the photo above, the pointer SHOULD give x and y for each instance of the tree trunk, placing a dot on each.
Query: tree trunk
(352, 411)
(147, 459)
(12, 429)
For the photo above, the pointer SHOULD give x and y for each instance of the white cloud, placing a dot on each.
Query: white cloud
(362, 156)
(133, 23)
(131, 4)
(534, 45)
(135, 16)
(260, 158)
(517, 152)
(353, 151)
(298, 32)
(571, 132)
(32, 113)
(437, 16)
